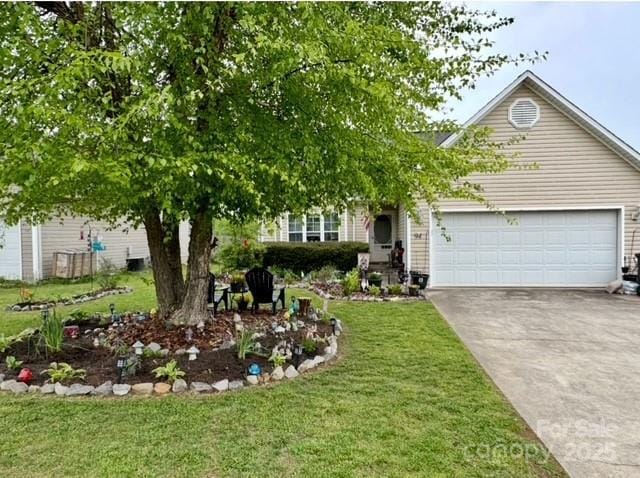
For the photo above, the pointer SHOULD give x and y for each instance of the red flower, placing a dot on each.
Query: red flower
(245, 243)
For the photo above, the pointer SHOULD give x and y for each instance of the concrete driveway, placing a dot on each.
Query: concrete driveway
(569, 362)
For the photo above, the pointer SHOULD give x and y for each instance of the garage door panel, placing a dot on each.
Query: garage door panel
(556, 248)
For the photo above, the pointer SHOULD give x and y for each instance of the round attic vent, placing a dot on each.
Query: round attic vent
(524, 113)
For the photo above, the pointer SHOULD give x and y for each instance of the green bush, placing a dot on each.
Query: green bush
(309, 256)
(351, 282)
(240, 255)
(324, 275)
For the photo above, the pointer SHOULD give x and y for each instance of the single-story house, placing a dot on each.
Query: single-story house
(27, 252)
(570, 222)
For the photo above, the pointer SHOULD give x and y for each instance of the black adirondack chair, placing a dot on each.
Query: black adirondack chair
(260, 282)
(215, 297)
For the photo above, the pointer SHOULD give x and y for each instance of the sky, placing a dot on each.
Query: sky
(593, 60)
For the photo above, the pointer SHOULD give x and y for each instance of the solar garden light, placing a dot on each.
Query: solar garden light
(121, 363)
(297, 352)
(193, 352)
(138, 347)
(334, 322)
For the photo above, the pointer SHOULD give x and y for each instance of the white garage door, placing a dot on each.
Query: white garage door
(559, 248)
(10, 263)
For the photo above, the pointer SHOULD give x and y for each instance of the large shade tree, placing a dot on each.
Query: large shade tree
(155, 113)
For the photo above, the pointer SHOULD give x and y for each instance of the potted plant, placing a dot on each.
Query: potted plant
(237, 282)
(414, 290)
(375, 279)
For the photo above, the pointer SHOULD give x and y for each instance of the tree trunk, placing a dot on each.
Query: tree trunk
(164, 248)
(194, 304)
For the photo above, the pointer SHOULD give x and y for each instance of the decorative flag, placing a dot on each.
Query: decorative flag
(366, 220)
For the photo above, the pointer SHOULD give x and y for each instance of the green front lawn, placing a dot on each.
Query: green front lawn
(407, 399)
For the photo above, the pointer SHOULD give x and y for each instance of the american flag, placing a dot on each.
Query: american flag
(366, 220)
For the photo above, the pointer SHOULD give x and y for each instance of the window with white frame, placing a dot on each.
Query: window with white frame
(296, 228)
(331, 227)
(314, 228)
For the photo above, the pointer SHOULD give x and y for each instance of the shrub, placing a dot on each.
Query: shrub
(324, 275)
(374, 290)
(395, 289)
(108, 274)
(62, 372)
(351, 282)
(171, 372)
(310, 346)
(245, 344)
(288, 276)
(309, 256)
(240, 255)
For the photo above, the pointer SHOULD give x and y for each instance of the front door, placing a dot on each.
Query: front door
(381, 235)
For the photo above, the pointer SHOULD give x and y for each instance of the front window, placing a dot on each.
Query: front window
(295, 229)
(313, 228)
(331, 226)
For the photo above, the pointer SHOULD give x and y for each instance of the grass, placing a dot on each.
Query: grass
(406, 399)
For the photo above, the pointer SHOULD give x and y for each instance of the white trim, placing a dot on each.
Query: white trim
(343, 230)
(20, 258)
(594, 207)
(281, 232)
(353, 227)
(430, 250)
(555, 98)
(408, 232)
(36, 251)
(516, 125)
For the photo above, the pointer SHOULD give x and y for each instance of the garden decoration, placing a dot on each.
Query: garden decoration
(121, 364)
(25, 376)
(71, 331)
(298, 350)
(193, 352)
(138, 347)
(333, 322)
(188, 335)
(254, 369)
(294, 308)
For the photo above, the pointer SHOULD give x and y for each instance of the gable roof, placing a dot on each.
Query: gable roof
(545, 91)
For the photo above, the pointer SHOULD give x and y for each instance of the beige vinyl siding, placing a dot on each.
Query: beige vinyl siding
(575, 170)
(57, 236)
(27, 251)
(420, 240)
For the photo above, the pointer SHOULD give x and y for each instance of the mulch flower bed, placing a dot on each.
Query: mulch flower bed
(94, 345)
(76, 299)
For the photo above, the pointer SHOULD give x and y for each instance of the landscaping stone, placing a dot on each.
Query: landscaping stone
(17, 387)
(47, 389)
(162, 388)
(6, 385)
(227, 344)
(145, 388)
(179, 386)
(60, 389)
(34, 388)
(277, 374)
(164, 352)
(154, 347)
(236, 384)
(121, 389)
(105, 389)
(291, 372)
(306, 365)
(180, 352)
(318, 359)
(79, 389)
(1, 377)
(200, 387)
(221, 385)
(252, 380)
